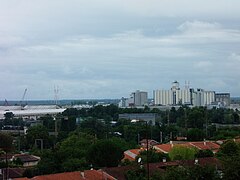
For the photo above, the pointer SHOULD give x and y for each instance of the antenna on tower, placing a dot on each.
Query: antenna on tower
(56, 92)
(23, 97)
(187, 84)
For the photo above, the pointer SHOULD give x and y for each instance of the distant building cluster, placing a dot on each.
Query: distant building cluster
(136, 99)
(177, 96)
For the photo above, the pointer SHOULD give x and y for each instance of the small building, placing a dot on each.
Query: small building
(27, 159)
(150, 118)
(131, 154)
(77, 175)
(151, 143)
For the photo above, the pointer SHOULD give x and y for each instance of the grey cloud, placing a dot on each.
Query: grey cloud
(112, 47)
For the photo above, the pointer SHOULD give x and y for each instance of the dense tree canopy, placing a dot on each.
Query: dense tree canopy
(105, 153)
(38, 132)
(182, 153)
(6, 142)
(229, 154)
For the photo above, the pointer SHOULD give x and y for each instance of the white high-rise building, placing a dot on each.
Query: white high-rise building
(140, 98)
(188, 96)
(183, 96)
(198, 97)
(163, 97)
(209, 97)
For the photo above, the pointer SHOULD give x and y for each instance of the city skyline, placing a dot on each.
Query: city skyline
(110, 48)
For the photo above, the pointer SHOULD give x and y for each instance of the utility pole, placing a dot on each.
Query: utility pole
(56, 128)
(206, 116)
(161, 138)
(147, 150)
(185, 117)
(168, 119)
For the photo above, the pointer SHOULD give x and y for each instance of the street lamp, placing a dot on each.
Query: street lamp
(146, 123)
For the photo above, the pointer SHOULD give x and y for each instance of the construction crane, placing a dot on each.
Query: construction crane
(6, 103)
(23, 97)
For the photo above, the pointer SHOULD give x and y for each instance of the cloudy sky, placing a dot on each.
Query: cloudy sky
(109, 48)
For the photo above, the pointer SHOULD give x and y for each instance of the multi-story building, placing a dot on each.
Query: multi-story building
(140, 98)
(183, 96)
(123, 102)
(177, 96)
(163, 97)
(209, 97)
(174, 96)
(136, 99)
(223, 98)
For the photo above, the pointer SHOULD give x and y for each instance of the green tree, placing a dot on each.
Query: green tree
(6, 142)
(231, 164)
(229, 153)
(8, 115)
(204, 153)
(37, 132)
(48, 122)
(195, 134)
(94, 127)
(73, 151)
(124, 145)
(182, 153)
(176, 173)
(136, 174)
(229, 148)
(203, 172)
(105, 153)
(196, 118)
(50, 163)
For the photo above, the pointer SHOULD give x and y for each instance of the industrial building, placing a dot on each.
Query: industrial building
(30, 112)
(150, 118)
(223, 99)
(186, 96)
(136, 99)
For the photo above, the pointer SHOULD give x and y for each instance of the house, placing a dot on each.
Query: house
(131, 154)
(151, 143)
(119, 172)
(27, 159)
(77, 175)
(204, 145)
(166, 148)
(11, 173)
(201, 145)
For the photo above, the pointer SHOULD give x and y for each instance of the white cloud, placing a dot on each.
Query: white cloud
(235, 57)
(199, 26)
(203, 65)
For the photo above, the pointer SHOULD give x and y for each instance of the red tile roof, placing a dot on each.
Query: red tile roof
(206, 145)
(151, 143)
(119, 172)
(86, 175)
(166, 148)
(61, 176)
(131, 154)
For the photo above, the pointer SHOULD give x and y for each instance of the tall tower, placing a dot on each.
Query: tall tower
(175, 87)
(56, 95)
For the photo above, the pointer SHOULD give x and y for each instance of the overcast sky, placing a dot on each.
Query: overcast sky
(110, 48)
